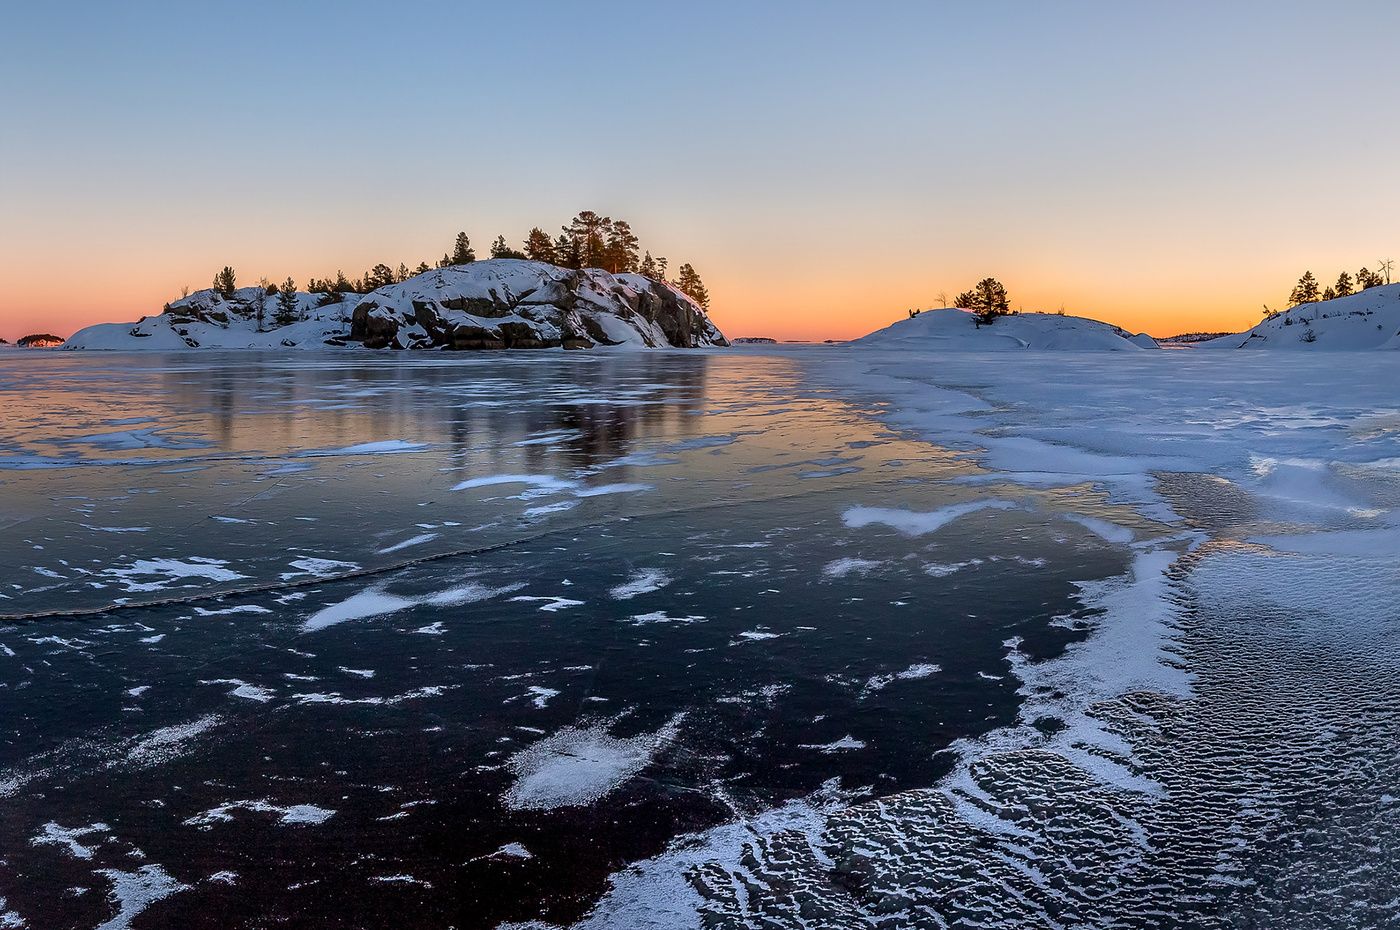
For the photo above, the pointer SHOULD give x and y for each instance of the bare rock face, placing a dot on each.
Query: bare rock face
(515, 304)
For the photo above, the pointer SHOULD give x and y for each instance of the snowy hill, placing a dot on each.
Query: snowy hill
(954, 330)
(494, 304)
(1368, 320)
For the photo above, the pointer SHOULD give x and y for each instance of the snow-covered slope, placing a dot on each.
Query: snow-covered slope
(1368, 320)
(206, 319)
(956, 330)
(495, 304)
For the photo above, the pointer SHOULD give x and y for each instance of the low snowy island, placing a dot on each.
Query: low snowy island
(958, 330)
(493, 304)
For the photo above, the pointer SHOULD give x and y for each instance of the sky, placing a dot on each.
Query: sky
(825, 167)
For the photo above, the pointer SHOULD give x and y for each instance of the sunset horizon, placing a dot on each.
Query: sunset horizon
(1166, 171)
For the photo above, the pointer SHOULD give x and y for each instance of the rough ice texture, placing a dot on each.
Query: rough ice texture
(495, 304)
(953, 330)
(578, 765)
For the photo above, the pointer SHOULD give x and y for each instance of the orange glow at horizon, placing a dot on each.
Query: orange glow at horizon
(797, 307)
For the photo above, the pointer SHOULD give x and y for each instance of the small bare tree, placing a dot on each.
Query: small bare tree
(1386, 266)
(942, 299)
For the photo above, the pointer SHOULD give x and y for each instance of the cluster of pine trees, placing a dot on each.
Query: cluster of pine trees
(1307, 290)
(987, 300)
(589, 241)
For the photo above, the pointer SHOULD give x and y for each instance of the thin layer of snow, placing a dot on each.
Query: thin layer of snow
(643, 581)
(292, 814)
(916, 523)
(133, 892)
(578, 765)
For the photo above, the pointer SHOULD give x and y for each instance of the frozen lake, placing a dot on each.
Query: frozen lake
(780, 638)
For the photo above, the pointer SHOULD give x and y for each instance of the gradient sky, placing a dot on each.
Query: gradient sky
(1164, 166)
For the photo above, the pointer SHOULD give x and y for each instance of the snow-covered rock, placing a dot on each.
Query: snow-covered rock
(1368, 320)
(954, 330)
(207, 319)
(493, 304)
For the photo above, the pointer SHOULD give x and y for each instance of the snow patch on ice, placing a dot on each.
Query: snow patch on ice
(916, 523)
(291, 814)
(67, 837)
(133, 892)
(843, 567)
(579, 765)
(641, 582)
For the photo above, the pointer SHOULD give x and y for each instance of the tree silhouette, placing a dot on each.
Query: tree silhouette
(286, 303)
(1366, 279)
(462, 253)
(689, 284)
(539, 248)
(224, 282)
(1344, 286)
(1305, 292)
(620, 254)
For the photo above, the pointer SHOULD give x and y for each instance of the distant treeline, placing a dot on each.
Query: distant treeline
(589, 241)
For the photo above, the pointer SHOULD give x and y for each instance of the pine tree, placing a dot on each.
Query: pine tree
(499, 249)
(990, 301)
(1367, 279)
(380, 275)
(1329, 294)
(621, 249)
(287, 303)
(648, 268)
(1344, 285)
(589, 232)
(1305, 292)
(538, 248)
(422, 268)
(224, 282)
(402, 274)
(689, 284)
(462, 253)
(567, 251)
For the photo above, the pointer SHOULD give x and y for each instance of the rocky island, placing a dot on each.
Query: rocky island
(502, 303)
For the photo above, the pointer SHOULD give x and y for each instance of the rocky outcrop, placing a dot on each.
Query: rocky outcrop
(495, 304)
(514, 304)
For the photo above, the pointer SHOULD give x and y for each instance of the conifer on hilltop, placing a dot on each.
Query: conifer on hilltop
(1344, 287)
(1367, 279)
(499, 249)
(225, 281)
(1305, 292)
(286, 303)
(689, 283)
(539, 248)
